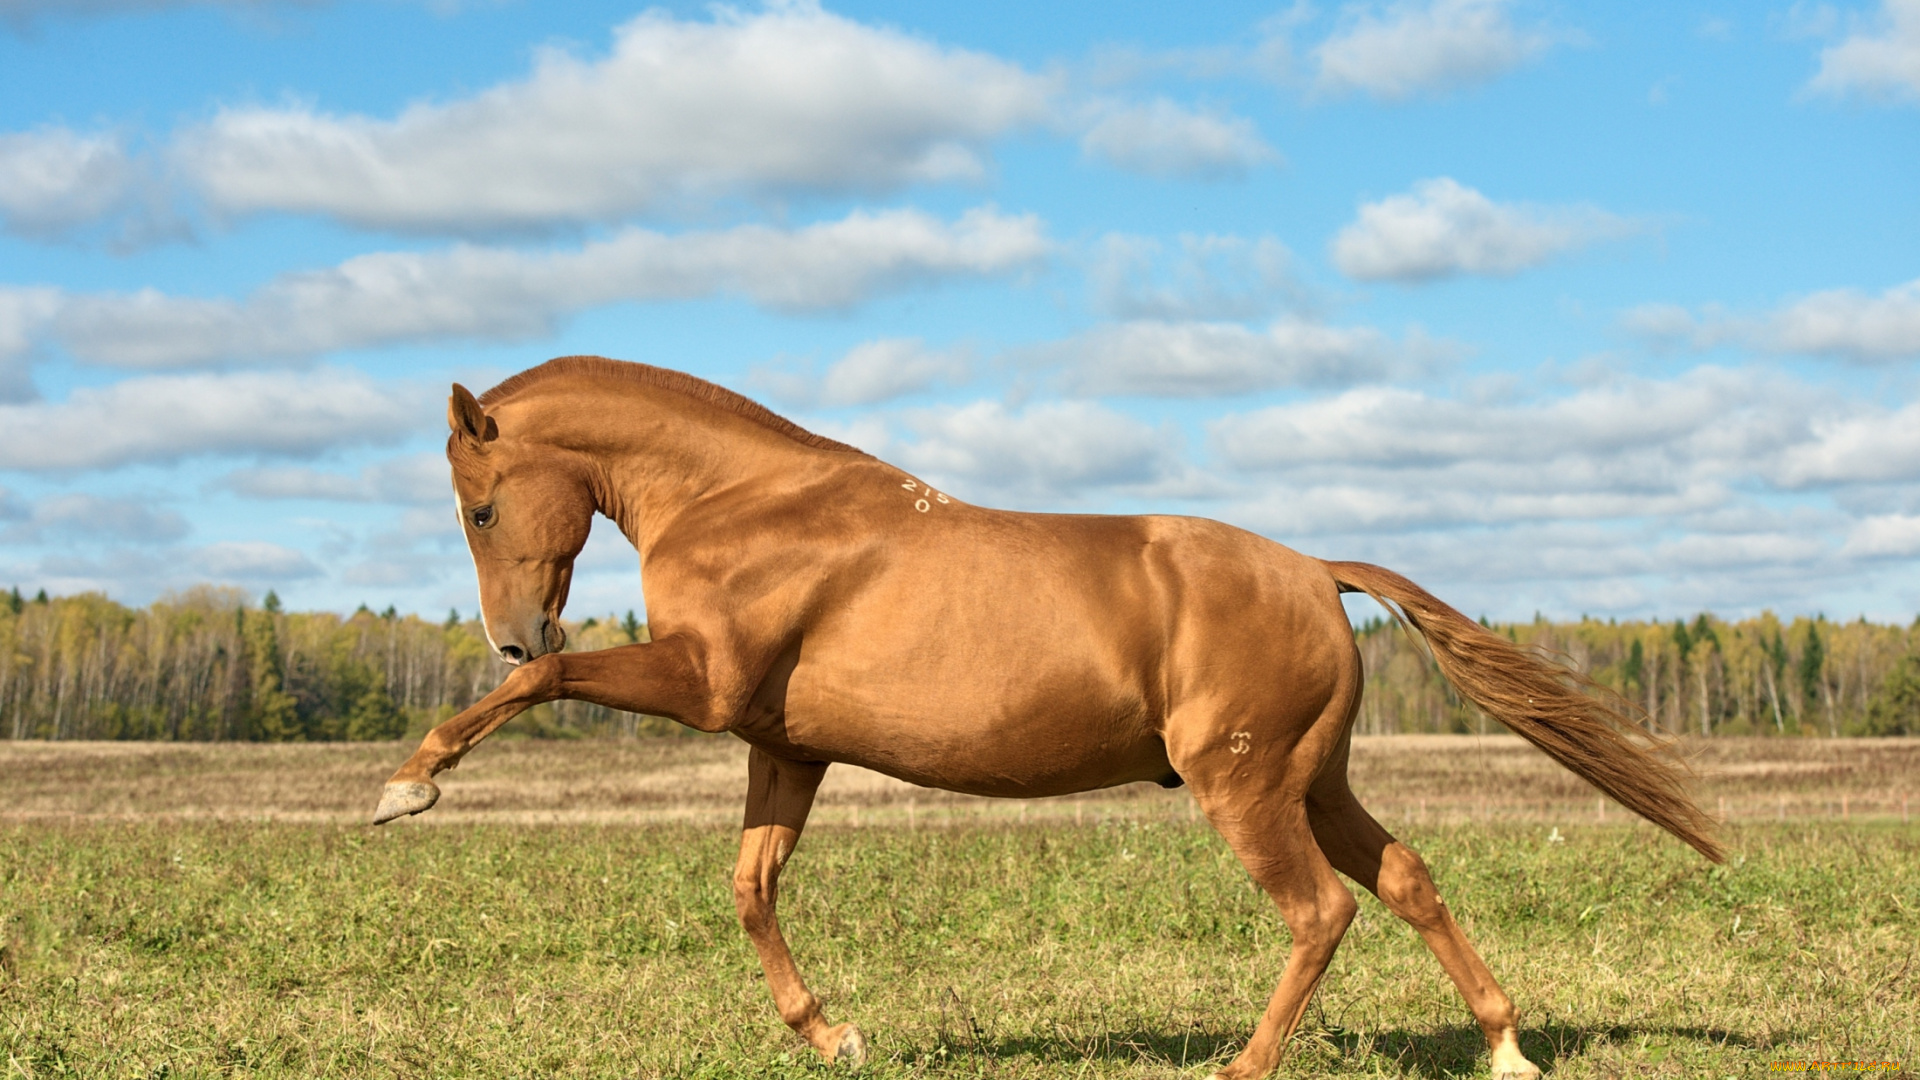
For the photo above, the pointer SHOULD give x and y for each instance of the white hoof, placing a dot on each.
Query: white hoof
(399, 800)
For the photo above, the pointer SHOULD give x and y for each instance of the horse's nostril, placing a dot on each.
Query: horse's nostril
(512, 654)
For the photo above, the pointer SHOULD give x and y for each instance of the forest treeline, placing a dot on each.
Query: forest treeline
(212, 664)
(1704, 676)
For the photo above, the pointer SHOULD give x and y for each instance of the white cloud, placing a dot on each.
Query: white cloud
(1204, 359)
(1163, 139)
(165, 418)
(418, 479)
(1411, 49)
(139, 573)
(1048, 451)
(1388, 457)
(869, 373)
(24, 315)
(24, 11)
(1444, 228)
(1393, 427)
(505, 294)
(1665, 325)
(1879, 61)
(1868, 445)
(250, 560)
(1843, 323)
(1884, 536)
(678, 117)
(791, 99)
(54, 179)
(398, 569)
(1850, 324)
(1713, 28)
(889, 368)
(1210, 277)
(80, 517)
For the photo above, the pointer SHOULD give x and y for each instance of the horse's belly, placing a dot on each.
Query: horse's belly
(1025, 754)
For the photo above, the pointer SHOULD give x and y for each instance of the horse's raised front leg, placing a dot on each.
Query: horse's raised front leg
(779, 795)
(659, 677)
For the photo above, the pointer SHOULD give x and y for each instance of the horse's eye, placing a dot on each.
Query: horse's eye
(482, 516)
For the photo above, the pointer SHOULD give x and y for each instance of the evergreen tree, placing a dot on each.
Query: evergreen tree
(1813, 664)
(632, 627)
(1813, 674)
(273, 714)
(1703, 632)
(375, 716)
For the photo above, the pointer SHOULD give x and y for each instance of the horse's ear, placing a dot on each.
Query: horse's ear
(468, 420)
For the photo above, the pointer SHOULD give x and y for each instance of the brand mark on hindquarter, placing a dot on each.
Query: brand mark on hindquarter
(927, 498)
(1242, 741)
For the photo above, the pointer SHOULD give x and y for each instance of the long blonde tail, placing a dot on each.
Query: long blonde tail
(1567, 715)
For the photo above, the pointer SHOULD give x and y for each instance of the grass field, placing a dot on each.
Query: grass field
(219, 911)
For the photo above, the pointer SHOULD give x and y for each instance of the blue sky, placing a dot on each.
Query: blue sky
(1607, 309)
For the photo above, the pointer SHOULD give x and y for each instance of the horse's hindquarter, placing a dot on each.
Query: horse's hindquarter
(991, 652)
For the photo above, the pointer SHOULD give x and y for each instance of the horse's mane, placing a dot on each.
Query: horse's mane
(667, 379)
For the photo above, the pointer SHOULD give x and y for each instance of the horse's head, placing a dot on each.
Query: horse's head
(526, 509)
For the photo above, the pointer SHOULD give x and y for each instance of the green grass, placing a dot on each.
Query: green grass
(1125, 950)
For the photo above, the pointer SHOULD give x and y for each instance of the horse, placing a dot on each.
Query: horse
(824, 606)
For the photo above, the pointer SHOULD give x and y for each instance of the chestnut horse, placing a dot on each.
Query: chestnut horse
(825, 606)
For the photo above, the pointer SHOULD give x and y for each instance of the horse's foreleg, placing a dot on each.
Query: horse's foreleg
(779, 795)
(660, 677)
(1361, 849)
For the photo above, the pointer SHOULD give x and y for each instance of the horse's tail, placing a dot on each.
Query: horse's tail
(1576, 721)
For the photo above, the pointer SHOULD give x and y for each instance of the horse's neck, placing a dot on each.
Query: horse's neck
(663, 452)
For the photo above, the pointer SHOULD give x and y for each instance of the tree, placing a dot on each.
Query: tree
(1708, 643)
(374, 716)
(1895, 709)
(1813, 668)
(273, 714)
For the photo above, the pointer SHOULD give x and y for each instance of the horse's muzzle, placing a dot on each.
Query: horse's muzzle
(552, 639)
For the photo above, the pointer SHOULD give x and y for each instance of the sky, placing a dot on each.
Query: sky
(1558, 308)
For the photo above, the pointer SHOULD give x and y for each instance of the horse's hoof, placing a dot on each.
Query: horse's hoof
(1524, 1070)
(850, 1049)
(399, 800)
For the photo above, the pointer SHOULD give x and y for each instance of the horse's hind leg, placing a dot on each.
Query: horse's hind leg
(1266, 825)
(779, 796)
(1360, 848)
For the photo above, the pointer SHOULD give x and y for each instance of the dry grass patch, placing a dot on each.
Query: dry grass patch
(1431, 779)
